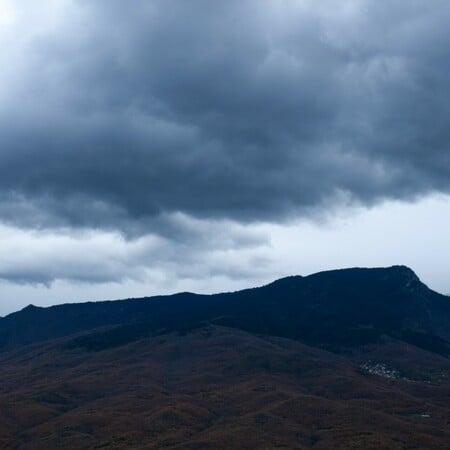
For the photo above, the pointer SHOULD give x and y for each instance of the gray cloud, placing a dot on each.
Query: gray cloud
(120, 117)
(209, 248)
(242, 110)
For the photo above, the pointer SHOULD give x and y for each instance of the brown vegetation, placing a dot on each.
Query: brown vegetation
(221, 388)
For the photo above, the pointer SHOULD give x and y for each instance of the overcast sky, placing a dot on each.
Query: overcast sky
(154, 146)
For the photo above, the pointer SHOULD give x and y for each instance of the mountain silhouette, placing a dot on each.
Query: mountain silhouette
(332, 309)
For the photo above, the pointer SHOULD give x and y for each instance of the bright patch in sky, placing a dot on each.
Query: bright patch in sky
(7, 15)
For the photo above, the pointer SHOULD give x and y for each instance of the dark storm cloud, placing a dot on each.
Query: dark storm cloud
(121, 115)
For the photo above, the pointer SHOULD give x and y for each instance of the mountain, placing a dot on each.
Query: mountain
(334, 308)
(353, 358)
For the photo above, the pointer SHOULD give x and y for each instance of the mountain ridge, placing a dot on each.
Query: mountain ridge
(337, 307)
(402, 268)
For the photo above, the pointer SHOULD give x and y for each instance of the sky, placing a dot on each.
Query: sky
(154, 146)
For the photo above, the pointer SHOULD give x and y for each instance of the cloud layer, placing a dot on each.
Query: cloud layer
(120, 117)
(114, 115)
(203, 249)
